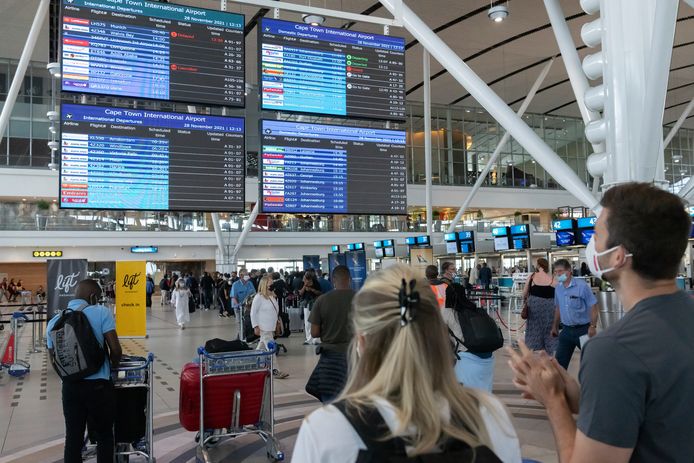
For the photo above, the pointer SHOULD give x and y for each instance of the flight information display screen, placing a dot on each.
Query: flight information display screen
(155, 50)
(322, 70)
(327, 169)
(116, 158)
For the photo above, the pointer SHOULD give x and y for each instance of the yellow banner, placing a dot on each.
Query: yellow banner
(131, 293)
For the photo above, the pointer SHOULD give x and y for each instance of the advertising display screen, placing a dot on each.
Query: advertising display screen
(328, 169)
(154, 50)
(115, 158)
(500, 235)
(316, 69)
(586, 228)
(566, 238)
(452, 247)
(586, 235)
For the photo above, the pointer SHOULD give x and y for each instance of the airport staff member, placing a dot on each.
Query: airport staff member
(576, 308)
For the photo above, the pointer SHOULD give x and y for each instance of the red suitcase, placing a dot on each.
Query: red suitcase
(219, 398)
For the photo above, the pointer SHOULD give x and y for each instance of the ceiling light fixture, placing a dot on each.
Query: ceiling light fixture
(313, 19)
(498, 13)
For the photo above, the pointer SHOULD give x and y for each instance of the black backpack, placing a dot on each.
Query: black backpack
(76, 351)
(370, 426)
(480, 331)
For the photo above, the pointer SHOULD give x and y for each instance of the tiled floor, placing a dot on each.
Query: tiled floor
(31, 422)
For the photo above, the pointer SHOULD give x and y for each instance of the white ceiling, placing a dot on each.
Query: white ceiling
(498, 52)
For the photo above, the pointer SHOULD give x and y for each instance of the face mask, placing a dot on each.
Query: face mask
(562, 278)
(592, 259)
(246, 278)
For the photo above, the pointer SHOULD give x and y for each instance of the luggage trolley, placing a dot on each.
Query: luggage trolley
(134, 375)
(236, 399)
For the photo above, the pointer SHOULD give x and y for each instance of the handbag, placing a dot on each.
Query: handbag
(525, 311)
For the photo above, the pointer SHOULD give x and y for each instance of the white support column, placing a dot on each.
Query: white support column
(577, 78)
(449, 143)
(19, 74)
(496, 107)
(244, 233)
(427, 139)
(502, 143)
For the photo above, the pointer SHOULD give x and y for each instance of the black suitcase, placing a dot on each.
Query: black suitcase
(286, 331)
(131, 419)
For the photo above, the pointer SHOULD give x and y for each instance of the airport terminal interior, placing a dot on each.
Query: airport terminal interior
(151, 145)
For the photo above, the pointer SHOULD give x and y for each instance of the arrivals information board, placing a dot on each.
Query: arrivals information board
(322, 70)
(327, 169)
(116, 158)
(155, 50)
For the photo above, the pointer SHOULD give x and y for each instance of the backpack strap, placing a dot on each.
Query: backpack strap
(371, 427)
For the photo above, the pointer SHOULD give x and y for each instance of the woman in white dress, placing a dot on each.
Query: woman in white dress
(179, 299)
(402, 397)
(264, 315)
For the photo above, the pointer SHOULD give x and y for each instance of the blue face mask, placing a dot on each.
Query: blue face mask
(562, 278)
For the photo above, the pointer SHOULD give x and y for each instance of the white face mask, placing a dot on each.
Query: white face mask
(246, 278)
(592, 259)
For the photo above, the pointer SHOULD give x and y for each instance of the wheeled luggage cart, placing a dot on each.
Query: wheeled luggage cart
(134, 432)
(235, 399)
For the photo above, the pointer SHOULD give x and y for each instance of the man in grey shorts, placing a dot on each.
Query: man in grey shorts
(635, 401)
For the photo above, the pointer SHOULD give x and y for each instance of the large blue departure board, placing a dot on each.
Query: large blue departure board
(118, 158)
(143, 49)
(316, 69)
(328, 169)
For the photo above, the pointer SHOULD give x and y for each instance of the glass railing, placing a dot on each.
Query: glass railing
(26, 216)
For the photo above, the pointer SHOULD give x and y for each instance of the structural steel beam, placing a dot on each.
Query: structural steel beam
(502, 143)
(244, 233)
(427, 139)
(496, 107)
(19, 74)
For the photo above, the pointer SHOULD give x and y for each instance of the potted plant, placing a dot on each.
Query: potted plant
(42, 207)
(480, 215)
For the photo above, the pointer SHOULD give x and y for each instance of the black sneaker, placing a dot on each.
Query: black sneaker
(221, 315)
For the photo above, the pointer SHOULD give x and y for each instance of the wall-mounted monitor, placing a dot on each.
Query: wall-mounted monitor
(335, 248)
(585, 229)
(567, 224)
(379, 252)
(467, 242)
(388, 243)
(586, 222)
(137, 159)
(501, 241)
(389, 252)
(520, 237)
(153, 50)
(355, 246)
(339, 72)
(329, 169)
(378, 244)
(424, 240)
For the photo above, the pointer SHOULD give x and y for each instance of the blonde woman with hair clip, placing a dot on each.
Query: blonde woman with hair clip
(402, 399)
(265, 313)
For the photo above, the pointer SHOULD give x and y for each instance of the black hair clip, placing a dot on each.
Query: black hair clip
(408, 302)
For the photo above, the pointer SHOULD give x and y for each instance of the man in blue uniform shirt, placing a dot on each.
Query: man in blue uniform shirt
(577, 310)
(91, 399)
